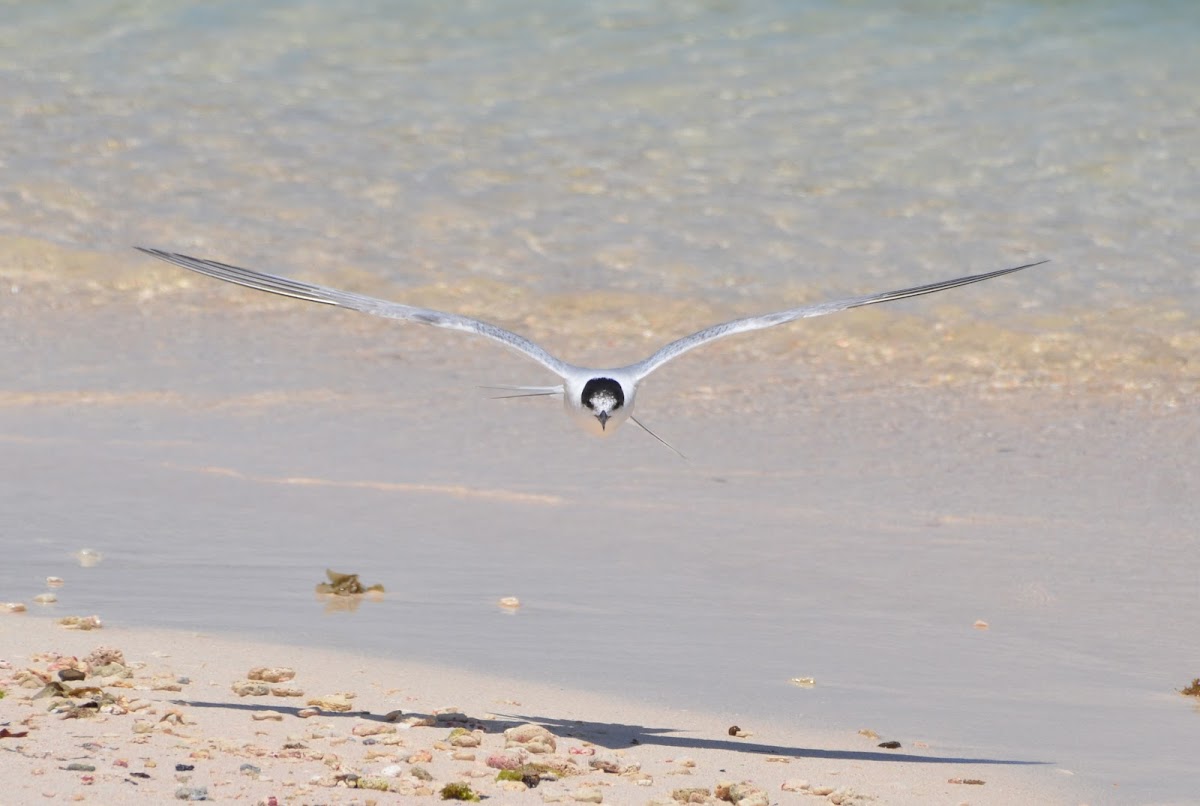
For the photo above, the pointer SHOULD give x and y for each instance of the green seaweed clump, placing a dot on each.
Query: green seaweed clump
(528, 774)
(1193, 690)
(458, 791)
(345, 585)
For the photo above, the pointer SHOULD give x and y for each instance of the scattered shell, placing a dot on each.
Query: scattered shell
(54, 582)
(372, 729)
(80, 622)
(104, 656)
(803, 682)
(250, 688)
(271, 674)
(305, 713)
(743, 794)
(870, 734)
(334, 702)
(260, 716)
(971, 781)
(13, 607)
(794, 785)
(88, 557)
(511, 602)
(534, 738)
(45, 598)
(582, 751)
(461, 737)
(980, 625)
(692, 795)
(506, 761)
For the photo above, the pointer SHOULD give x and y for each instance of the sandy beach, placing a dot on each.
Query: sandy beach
(951, 566)
(168, 722)
(966, 523)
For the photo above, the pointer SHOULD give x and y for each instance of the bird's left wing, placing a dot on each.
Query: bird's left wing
(361, 302)
(681, 346)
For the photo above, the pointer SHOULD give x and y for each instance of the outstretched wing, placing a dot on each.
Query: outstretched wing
(681, 346)
(360, 302)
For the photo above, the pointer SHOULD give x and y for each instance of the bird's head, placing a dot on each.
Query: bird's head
(601, 405)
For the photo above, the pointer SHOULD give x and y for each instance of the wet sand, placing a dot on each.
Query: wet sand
(834, 520)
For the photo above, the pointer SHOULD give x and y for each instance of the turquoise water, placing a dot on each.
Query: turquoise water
(700, 149)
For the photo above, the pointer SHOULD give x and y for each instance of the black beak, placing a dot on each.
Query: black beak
(603, 418)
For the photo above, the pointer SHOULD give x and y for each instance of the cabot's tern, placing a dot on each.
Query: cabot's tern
(595, 398)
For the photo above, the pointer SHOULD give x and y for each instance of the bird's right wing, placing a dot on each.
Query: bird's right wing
(680, 346)
(360, 302)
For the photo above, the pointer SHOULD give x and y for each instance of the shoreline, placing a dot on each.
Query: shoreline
(649, 752)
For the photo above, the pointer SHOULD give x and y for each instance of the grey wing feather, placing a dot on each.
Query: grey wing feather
(360, 302)
(681, 346)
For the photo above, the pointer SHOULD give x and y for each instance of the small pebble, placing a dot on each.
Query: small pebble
(260, 716)
(54, 582)
(250, 769)
(13, 607)
(191, 793)
(75, 766)
(892, 745)
(184, 767)
(45, 598)
(511, 602)
(803, 682)
(587, 794)
(980, 625)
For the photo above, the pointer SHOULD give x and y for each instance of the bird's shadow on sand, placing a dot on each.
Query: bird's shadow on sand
(616, 735)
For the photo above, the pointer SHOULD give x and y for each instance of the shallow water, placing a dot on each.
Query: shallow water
(707, 149)
(604, 178)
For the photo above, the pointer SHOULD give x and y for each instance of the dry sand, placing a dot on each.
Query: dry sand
(175, 728)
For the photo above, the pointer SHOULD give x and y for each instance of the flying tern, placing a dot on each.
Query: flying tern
(594, 398)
